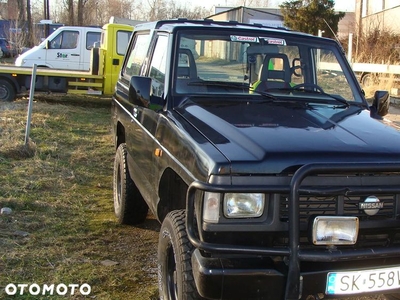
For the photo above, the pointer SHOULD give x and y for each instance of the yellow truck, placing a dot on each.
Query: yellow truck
(105, 64)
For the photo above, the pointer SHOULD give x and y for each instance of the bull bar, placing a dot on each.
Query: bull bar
(293, 282)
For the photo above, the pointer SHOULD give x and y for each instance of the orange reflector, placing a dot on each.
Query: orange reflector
(158, 152)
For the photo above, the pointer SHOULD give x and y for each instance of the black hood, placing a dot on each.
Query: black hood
(269, 137)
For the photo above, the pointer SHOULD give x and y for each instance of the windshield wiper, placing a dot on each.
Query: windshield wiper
(265, 94)
(319, 91)
(220, 83)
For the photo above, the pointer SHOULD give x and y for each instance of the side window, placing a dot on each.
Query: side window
(91, 38)
(56, 42)
(137, 54)
(158, 66)
(70, 40)
(65, 40)
(122, 41)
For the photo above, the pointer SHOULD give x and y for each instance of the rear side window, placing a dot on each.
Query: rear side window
(122, 41)
(137, 54)
(91, 38)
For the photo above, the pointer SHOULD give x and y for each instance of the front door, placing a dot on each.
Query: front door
(64, 51)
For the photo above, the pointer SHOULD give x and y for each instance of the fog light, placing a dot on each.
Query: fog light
(331, 230)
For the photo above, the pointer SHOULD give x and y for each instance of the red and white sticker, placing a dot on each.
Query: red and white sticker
(275, 41)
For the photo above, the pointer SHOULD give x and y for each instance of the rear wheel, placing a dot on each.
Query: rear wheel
(129, 205)
(175, 277)
(7, 91)
(369, 79)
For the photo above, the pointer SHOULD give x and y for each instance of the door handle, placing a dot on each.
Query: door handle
(73, 54)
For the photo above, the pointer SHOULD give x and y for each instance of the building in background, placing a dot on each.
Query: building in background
(265, 16)
(378, 15)
(273, 17)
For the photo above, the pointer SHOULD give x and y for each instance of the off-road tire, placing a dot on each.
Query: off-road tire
(129, 206)
(175, 277)
(7, 91)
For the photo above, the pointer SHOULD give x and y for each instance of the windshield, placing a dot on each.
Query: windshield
(231, 62)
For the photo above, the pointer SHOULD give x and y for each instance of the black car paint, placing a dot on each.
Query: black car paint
(246, 143)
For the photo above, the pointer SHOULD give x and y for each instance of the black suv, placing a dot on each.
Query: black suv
(255, 147)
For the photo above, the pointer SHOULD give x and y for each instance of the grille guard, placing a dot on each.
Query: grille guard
(295, 255)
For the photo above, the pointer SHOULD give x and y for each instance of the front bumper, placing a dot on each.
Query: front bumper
(218, 278)
(260, 278)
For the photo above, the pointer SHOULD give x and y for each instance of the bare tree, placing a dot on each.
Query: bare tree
(70, 8)
(98, 12)
(80, 12)
(158, 10)
(161, 9)
(30, 41)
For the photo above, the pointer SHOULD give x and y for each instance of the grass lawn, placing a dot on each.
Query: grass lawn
(59, 186)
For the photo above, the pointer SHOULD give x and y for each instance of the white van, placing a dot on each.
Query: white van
(67, 48)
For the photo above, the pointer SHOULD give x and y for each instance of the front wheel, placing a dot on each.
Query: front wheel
(129, 206)
(175, 277)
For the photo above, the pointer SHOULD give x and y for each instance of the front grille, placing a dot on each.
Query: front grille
(338, 205)
(375, 235)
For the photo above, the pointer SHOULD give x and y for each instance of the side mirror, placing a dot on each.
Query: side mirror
(380, 104)
(139, 90)
(47, 44)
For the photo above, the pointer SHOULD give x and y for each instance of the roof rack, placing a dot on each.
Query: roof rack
(205, 21)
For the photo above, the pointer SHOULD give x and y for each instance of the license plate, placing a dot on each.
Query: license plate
(355, 282)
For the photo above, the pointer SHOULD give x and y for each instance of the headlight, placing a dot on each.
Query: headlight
(331, 230)
(19, 62)
(235, 205)
(243, 205)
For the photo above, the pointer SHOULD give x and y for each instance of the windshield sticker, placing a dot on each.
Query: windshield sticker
(239, 38)
(275, 41)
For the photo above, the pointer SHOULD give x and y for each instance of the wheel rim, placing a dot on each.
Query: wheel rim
(171, 274)
(117, 199)
(3, 93)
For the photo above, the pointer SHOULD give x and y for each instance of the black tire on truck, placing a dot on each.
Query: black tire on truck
(368, 79)
(7, 91)
(175, 277)
(129, 205)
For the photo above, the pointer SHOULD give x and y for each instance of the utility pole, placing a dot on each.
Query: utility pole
(46, 16)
